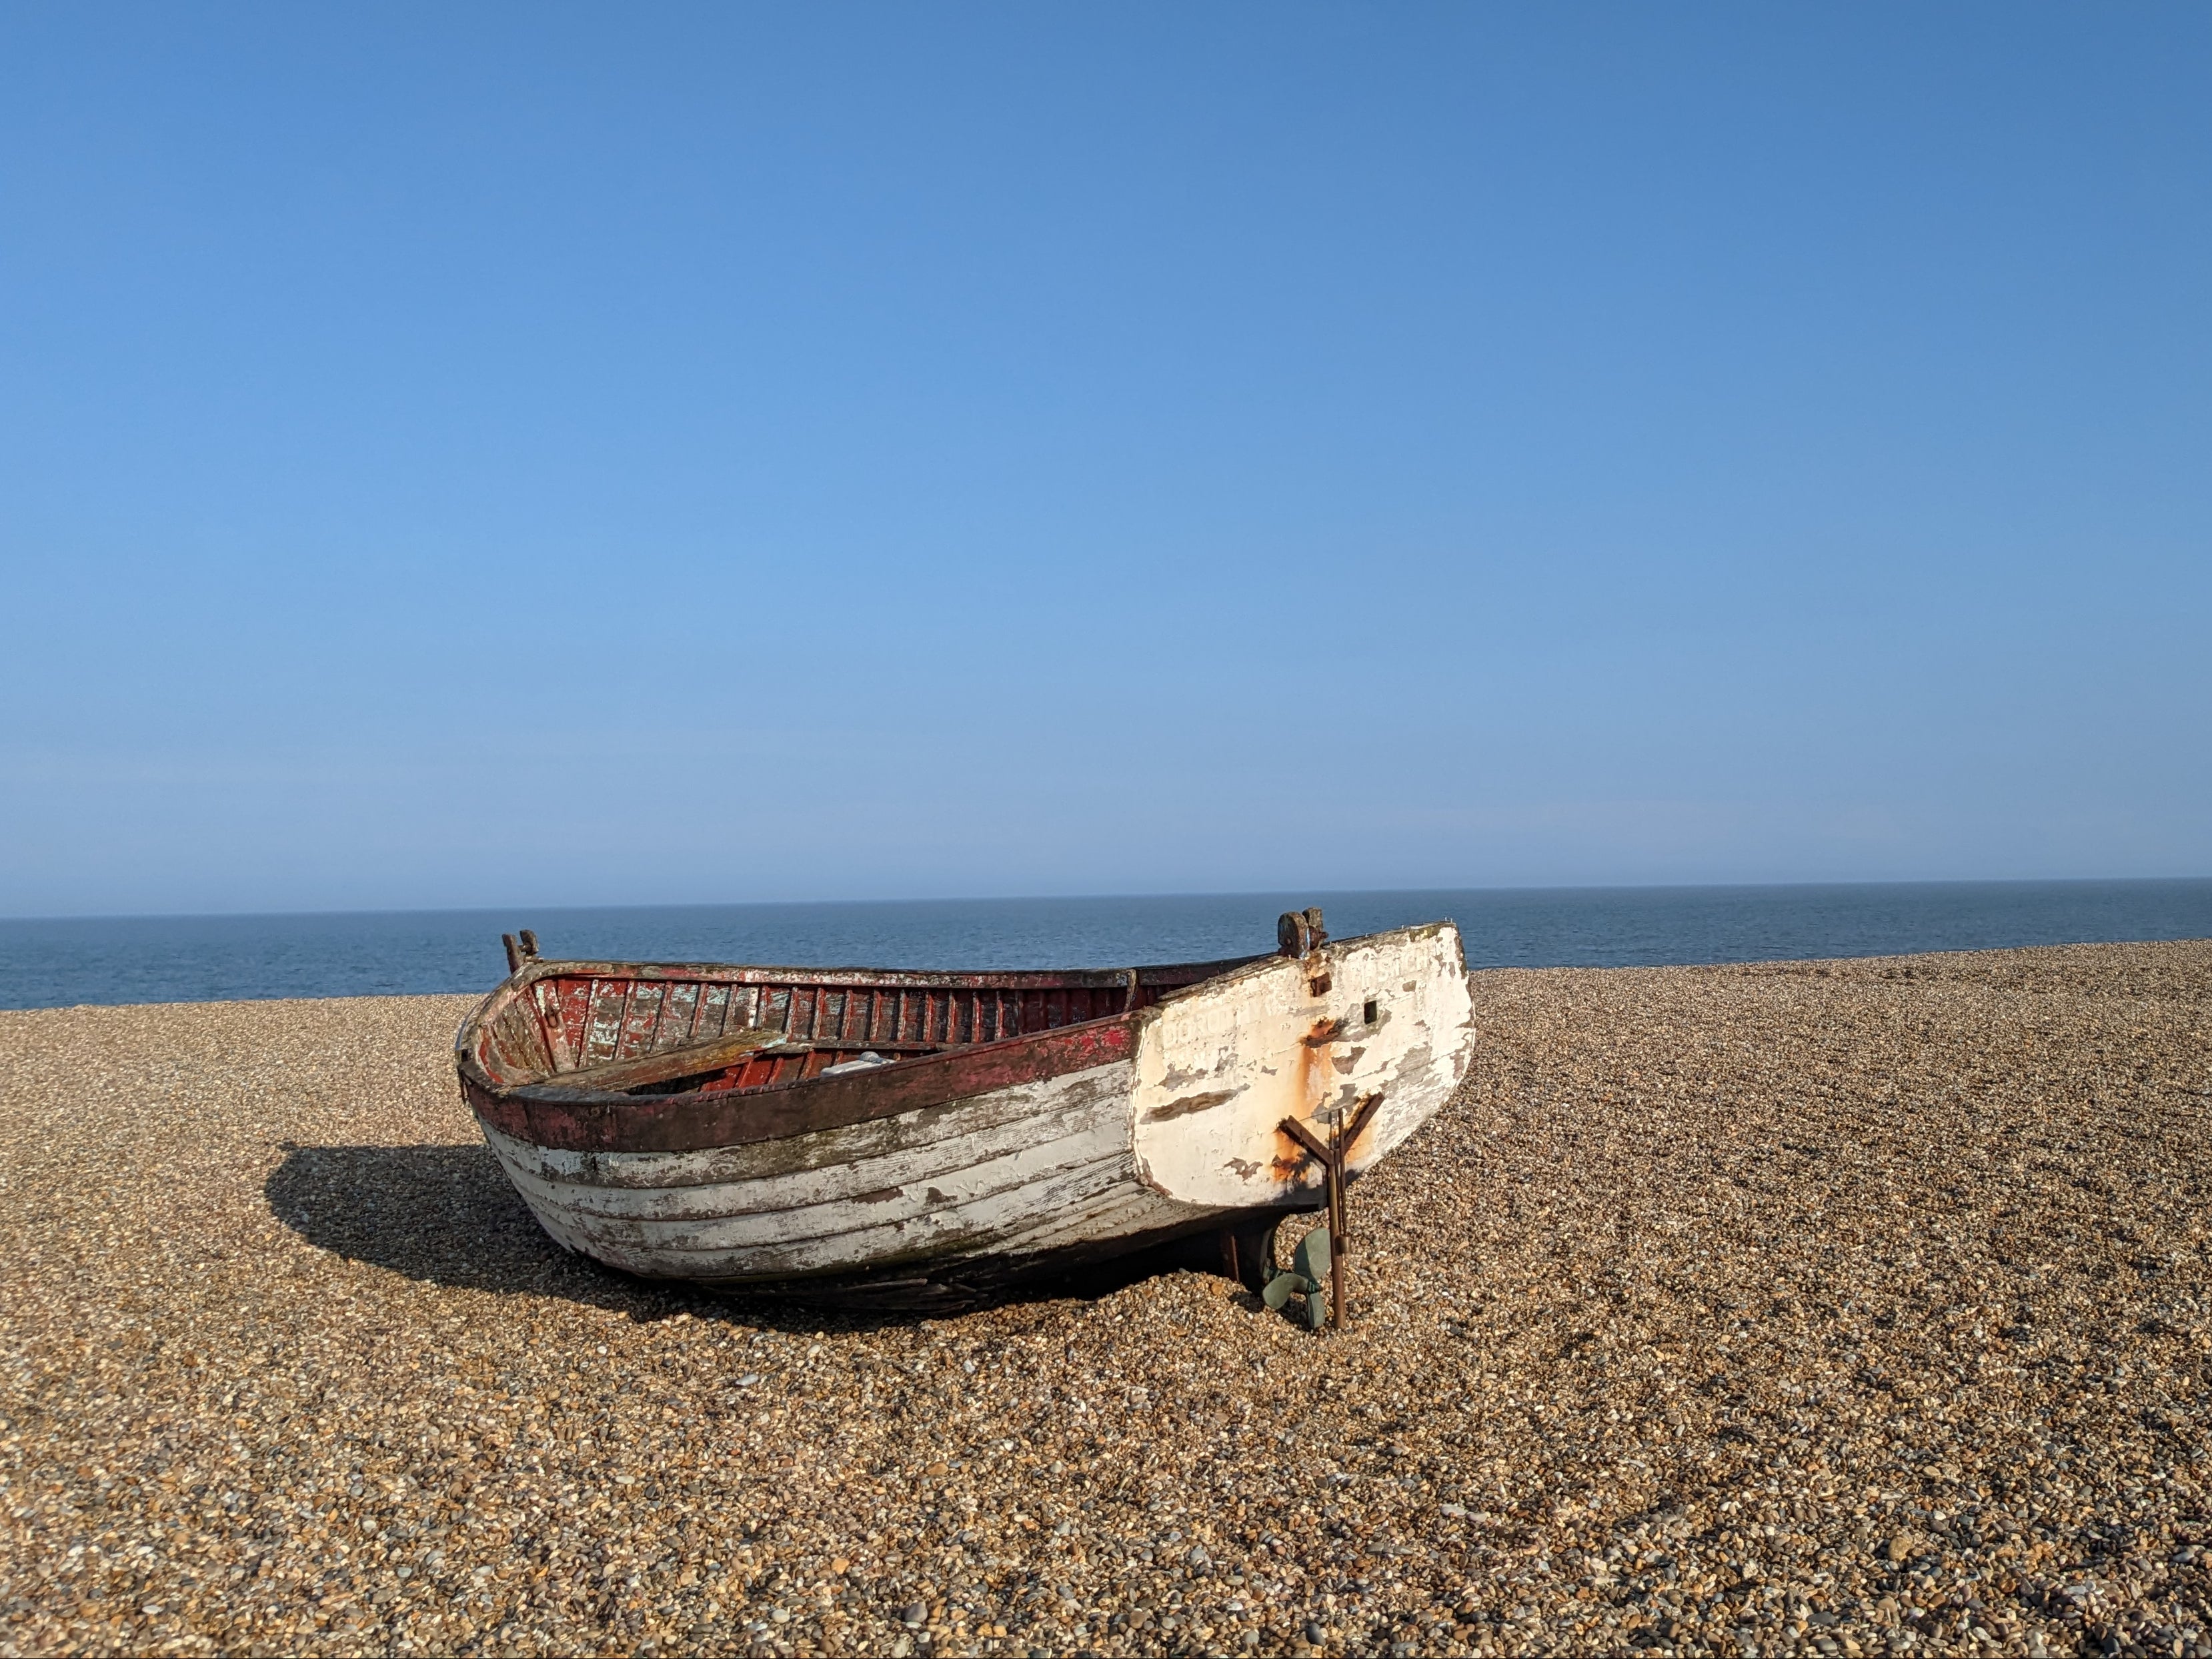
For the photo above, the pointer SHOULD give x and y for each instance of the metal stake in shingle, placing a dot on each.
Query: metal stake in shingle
(1344, 1130)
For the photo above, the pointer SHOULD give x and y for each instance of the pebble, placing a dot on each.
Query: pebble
(1857, 1307)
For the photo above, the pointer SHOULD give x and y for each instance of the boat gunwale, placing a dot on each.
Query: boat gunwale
(550, 1089)
(1005, 979)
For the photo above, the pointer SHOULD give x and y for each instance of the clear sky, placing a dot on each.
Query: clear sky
(563, 454)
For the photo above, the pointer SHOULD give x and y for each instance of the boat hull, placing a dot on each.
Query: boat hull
(951, 1177)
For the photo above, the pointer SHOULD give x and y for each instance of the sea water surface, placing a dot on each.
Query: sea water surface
(57, 962)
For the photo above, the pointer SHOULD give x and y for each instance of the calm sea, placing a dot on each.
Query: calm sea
(53, 964)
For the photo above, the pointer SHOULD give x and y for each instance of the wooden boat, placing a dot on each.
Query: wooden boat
(890, 1137)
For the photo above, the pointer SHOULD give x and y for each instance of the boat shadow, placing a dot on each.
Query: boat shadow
(447, 1215)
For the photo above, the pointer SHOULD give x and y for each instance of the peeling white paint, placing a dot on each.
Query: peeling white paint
(1219, 1068)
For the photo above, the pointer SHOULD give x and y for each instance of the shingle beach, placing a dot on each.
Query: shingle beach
(1850, 1307)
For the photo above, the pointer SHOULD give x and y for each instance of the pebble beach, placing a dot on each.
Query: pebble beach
(1857, 1307)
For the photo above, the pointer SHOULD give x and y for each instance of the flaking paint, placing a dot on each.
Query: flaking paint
(1286, 1038)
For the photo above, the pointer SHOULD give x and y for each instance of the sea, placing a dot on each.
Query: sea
(60, 962)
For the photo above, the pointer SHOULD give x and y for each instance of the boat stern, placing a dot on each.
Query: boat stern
(1385, 1018)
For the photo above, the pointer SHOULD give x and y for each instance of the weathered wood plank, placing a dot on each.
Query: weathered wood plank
(677, 1013)
(893, 1187)
(575, 1003)
(1002, 1118)
(640, 1018)
(609, 998)
(713, 1017)
(546, 996)
(981, 1222)
(698, 1058)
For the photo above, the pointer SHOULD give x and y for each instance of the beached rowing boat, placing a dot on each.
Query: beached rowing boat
(910, 1139)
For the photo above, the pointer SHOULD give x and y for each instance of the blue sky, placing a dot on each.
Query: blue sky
(459, 456)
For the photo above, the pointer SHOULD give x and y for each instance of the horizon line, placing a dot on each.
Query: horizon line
(1035, 898)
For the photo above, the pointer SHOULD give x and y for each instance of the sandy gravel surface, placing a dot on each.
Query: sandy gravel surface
(1839, 1307)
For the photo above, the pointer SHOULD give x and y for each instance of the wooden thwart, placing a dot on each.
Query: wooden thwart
(614, 1076)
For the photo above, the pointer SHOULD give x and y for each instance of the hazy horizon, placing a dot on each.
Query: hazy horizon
(514, 907)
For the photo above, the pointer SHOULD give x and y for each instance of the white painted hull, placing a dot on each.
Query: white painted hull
(1181, 1134)
(1021, 1171)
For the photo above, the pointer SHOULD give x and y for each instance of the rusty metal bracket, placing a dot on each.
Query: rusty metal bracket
(1299, 935)
(1331, 1154)
(1299, 932)
(1362, 1114)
